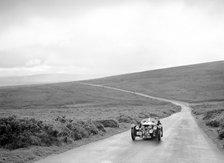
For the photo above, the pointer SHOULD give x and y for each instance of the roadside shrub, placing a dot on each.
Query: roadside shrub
(67, 140)
(221, 133)
(143, 115)
(109, 123)
(153, 115)
(213, 113)
(19, 133)
(91, 128)
(194, 111)
(78, 131)
(99, 126)
(63, 119)
(81, 129)
(64, 131)
(213, 123)
(124, 119)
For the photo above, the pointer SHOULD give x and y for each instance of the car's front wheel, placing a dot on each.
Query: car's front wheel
(133, 134)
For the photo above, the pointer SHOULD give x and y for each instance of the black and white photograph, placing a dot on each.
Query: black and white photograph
(111, 81)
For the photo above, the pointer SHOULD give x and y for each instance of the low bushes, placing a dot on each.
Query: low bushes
(212, 114)
(63, 119)
(124, 119)
(144, 115)
(19, 133)
(109, 123)
(83, 129)
(23, 132)
(215, 118)
(99, 126)
(221, 133)
(213, 123)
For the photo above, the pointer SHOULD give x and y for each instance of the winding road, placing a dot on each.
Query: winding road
(183, 142)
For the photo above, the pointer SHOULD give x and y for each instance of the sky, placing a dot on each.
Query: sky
(99, 38)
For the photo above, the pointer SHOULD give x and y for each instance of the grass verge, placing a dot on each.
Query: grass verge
(210, 117)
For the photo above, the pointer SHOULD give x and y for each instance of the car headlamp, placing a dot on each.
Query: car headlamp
(137, 127)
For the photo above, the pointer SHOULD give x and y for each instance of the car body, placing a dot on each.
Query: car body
(147, 128)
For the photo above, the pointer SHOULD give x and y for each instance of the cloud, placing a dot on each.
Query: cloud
(34, 62)
(114, 39)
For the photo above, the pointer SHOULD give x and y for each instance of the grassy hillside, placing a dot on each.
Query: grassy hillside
(194, 83)
(77, 101)
(202, 85)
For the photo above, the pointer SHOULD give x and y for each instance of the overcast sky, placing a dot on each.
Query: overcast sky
(107, 37)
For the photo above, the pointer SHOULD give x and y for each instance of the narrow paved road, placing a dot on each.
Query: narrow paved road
(183, 142)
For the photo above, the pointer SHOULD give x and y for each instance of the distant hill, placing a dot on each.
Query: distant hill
(37, 79)
(193, 83)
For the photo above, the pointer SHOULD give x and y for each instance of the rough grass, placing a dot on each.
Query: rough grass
(54, 117)
(193, 83)
(83, 108)
(212, 115)
(67, 95)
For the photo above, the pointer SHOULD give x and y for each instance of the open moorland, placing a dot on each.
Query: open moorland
(39, 120)
(193, 83)
(201, 85)
(61, 116)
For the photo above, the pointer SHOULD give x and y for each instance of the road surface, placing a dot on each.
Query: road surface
(183, 142)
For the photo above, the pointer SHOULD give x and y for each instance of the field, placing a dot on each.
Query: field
(39, 120)
(193, 83)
